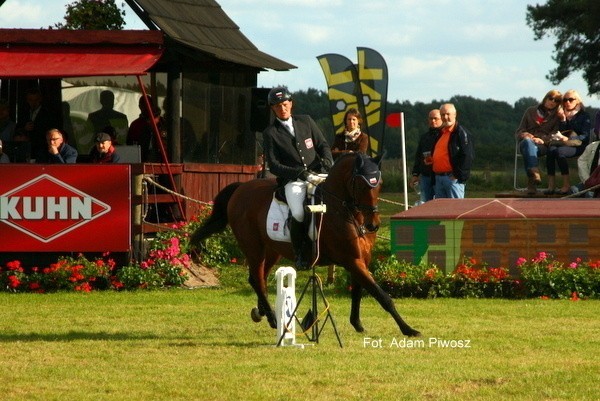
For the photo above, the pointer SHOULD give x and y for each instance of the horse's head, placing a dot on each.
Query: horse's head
(356, 180)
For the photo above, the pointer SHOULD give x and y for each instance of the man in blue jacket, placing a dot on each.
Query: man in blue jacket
(296, 152)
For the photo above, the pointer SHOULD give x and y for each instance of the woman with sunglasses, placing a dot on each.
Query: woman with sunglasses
(537, 125)
(576, 120)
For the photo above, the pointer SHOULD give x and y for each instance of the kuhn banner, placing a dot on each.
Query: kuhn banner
(75, 208)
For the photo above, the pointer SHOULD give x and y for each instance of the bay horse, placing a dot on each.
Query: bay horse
(347, 232)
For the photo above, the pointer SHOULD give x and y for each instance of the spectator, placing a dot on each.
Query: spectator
(104, 152)
(57, 151)
(537, 125)
(7, 126)
(34, 121)
(352, 139)
(452, 156)
(575, 126)
(586, 164)
(141, 132)
(3, 156)
(422, 173)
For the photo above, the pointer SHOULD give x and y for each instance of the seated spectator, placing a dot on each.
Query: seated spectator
(58, 151)
(586, 164)
(7, 126)
(104, 151)
(575, 120)
(3, 157)
(352, 139)
(533, 134)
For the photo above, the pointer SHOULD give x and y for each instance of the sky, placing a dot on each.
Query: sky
(434, 49)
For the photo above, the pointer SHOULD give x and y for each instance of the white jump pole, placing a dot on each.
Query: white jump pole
(404, 168)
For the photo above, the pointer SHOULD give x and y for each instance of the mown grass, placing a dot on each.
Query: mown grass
(201, 345)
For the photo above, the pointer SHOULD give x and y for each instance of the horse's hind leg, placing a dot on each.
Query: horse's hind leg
(258, 274)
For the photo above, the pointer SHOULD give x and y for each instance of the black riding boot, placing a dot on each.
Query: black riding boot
(298, 237)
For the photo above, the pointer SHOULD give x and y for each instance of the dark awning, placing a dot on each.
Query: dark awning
(37, 53)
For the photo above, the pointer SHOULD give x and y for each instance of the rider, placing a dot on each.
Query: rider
(296, 152)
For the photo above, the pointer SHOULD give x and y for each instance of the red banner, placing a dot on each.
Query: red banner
(74, 208)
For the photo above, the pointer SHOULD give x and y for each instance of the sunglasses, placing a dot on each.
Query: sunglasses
(569, 99)
(554, 99)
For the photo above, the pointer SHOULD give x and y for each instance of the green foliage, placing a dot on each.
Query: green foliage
(93, 14)
(575, 26)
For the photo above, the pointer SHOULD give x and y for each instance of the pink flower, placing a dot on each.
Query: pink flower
(521, 261)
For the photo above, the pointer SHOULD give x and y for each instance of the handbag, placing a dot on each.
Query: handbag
(555, 139)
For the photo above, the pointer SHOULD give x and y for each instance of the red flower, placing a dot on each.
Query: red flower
(13, 281)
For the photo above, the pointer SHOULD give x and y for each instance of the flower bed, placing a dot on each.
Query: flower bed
(541, 276)
(168, 257)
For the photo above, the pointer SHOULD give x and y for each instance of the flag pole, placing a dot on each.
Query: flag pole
(404, 181)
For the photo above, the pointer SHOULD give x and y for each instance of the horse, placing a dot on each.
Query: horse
(346, 238)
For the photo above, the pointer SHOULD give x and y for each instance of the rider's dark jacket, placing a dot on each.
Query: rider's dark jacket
(292, 157)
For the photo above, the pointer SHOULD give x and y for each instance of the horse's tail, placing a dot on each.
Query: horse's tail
(218, 220)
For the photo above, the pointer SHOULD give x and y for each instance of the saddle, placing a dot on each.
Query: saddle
(279, 215)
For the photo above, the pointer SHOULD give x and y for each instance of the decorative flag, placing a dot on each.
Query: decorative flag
(343, 88)
(373, 77)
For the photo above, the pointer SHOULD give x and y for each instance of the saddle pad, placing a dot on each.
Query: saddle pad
(277, 225)
(277, 228)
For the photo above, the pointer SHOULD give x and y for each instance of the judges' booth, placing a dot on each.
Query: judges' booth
(50, 210)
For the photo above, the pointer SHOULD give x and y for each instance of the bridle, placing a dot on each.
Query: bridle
(351, 206)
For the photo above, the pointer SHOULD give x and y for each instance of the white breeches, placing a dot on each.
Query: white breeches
(295, 193)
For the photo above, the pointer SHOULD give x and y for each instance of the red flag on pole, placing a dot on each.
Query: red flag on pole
(393, 120)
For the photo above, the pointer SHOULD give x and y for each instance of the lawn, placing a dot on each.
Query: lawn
(201, 345)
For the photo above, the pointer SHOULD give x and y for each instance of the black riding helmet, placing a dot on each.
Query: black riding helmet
(279, 95)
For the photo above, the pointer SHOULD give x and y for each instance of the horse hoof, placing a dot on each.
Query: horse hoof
(358, 327)
(255, 315)
(413, 333)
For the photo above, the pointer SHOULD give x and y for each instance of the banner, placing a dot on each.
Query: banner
(343, 88)
(373, 77)
(74, 208)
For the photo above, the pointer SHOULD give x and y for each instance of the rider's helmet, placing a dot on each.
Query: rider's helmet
(279, 95)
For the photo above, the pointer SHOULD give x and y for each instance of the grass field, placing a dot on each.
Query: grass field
(201, 345)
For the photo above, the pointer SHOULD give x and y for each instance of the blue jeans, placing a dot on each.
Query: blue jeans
(531, 152)
(426, 185)
(447, 186)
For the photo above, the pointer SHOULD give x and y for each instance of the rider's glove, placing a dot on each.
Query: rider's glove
(315, 179)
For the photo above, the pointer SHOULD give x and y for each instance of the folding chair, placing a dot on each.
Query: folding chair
(516, 171)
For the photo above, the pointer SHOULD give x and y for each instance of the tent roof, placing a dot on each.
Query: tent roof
(48, 53)
(203, 25)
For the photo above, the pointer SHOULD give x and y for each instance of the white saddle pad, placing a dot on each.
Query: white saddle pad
(277, 224)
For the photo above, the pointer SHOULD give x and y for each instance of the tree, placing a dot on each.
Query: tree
(93, 14)
(577, 46)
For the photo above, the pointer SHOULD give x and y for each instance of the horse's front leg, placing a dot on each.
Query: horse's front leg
(361, 275)
(356, 294)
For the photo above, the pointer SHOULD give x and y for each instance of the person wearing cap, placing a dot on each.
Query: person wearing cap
(103, 151)
(58, 151)
(296, 152)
